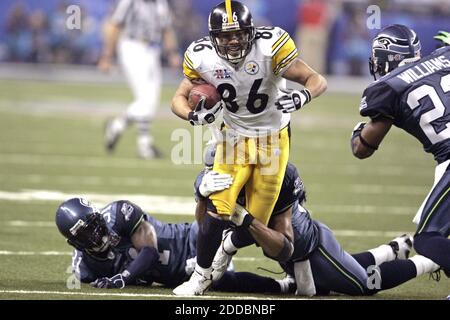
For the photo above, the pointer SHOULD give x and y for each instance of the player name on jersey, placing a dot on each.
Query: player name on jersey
(424, 69)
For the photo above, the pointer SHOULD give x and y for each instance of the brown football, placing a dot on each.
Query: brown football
(204, 90)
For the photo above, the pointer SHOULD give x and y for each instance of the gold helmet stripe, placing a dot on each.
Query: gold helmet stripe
(229, 12)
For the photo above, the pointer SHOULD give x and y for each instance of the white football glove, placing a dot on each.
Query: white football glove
(213, 181)
(201, 116)
(293, 100)
(115, 282)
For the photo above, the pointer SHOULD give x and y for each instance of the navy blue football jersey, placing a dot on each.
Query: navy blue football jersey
(176, 244)
(306, 236)
(417, 97)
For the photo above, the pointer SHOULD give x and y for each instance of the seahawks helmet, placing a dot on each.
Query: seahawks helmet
(444, 39)
(231, 30)
(394, 46)
(82, 225)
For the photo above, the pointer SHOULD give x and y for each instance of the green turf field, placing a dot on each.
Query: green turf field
(51, 146)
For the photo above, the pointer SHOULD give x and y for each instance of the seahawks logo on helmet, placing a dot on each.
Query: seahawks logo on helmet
(381, 43)
(88, 204)
(394, 46)
(85, 202)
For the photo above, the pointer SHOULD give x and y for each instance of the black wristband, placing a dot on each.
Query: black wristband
(248, 219)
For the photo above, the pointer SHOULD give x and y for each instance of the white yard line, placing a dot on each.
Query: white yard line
(34, 253)
(132, 295)
(184, 205)
(153, 204)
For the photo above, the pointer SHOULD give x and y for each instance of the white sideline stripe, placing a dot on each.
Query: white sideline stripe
(153, 204)
(135, 295)
(184, 205)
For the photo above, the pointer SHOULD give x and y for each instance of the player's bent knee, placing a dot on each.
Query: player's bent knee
(212, 222)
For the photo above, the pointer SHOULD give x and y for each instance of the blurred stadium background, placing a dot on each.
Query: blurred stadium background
(53, 104)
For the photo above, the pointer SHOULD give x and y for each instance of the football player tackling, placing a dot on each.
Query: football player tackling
(249, 67)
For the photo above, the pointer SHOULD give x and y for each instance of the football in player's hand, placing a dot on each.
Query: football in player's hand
(206, 90)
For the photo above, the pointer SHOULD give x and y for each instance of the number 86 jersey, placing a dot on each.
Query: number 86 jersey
(251, 87)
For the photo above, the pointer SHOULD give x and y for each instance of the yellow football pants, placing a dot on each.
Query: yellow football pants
(259, 164)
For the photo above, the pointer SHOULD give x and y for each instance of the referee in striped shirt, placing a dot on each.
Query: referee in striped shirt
(139, 31)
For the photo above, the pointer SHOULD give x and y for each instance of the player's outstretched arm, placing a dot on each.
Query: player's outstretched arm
(366, 137)
(144, 240)
(276, 242)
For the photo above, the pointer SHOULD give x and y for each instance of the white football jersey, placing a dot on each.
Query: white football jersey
(250, 88)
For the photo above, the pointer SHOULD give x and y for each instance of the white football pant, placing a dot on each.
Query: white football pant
(142, 67)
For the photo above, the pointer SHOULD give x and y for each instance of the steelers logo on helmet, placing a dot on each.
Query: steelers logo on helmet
(231, 30)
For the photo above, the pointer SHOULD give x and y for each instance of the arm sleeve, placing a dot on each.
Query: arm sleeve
(378, 99)
(145, 261)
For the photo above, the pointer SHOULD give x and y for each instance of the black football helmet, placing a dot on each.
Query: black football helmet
(394, 46)
(231, 30)
(444, 39)
(82, 225)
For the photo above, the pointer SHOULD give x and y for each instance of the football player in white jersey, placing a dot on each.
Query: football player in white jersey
(249, 67)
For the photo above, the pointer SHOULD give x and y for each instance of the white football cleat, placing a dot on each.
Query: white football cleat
(402, 246)
(196, 286)
(222, 258)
